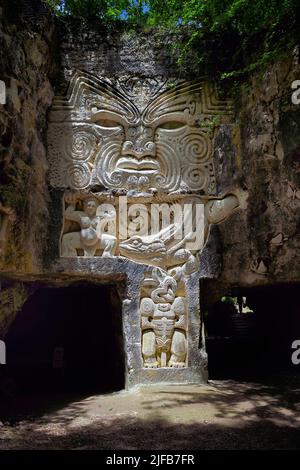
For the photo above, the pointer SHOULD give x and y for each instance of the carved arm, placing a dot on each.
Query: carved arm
(146, 324)
(72, 214)
(181, 322)
(179, 307)
(147, 310)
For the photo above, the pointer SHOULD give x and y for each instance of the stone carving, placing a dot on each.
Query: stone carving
(152, 141)
(165, 247)
(89, 237)
(164, 250)
(142, 90)
(160, 249)
(141, 135)
(163, 321)
(258, 266)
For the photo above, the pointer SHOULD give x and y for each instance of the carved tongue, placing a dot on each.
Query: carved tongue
(130, 163)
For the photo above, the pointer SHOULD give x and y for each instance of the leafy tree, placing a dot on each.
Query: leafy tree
(223, 37)
(131, 11)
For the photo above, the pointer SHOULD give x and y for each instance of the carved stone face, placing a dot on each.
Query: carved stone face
(139, 134)
(90, 207)
(156, 143)
(134, 161)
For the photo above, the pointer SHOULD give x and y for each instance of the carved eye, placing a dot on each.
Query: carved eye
(107, 123)
(172, 125)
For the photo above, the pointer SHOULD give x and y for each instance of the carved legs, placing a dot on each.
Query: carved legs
(163, 322)
(178, 350)
(109, 243)
(149, 349)
(71, 242)
(153, 357)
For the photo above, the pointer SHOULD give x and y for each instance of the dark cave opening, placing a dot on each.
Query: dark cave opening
(67, 339)
(257, 343)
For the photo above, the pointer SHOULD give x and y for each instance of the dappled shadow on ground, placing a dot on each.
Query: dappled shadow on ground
(131, 433)
(30, 406)
(242, 400)
(221, 415)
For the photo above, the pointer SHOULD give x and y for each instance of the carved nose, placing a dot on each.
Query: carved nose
(138, 150)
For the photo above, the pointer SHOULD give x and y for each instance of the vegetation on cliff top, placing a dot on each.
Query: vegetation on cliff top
(225, 37)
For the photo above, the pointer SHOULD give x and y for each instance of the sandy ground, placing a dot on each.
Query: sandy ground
(220, 415)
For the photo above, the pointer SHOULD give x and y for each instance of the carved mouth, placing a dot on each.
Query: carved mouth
(124, 247)
(133, 164)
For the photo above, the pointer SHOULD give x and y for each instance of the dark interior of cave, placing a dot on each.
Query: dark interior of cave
(254, 345)
(67, 339)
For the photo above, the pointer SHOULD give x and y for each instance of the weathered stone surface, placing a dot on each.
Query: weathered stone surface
(254, 154)
(12, 297)
(152, 143)
(25, 67)
(261, 244)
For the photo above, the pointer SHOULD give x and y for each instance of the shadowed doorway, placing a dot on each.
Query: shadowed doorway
(68, 338)
(256, 343)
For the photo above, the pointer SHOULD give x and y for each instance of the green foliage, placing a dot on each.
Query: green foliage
(229, 300)
(109, 11)
(223, 38)
(229, 38)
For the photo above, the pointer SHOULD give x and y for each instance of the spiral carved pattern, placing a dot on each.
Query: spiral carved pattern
(79, 176)
(146, 305)
(196, 148)
(154, 130)
(169, 179)
(80, 146)
(105, 166)
(195, 177)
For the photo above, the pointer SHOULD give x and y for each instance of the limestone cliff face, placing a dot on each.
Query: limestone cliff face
(26, 44)
(261, 152)
(258, 152)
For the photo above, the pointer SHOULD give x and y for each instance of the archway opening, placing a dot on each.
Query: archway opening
(250, 332)
(67, 339)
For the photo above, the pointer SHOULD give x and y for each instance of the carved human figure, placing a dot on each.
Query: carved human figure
(89, 238)
(163, 319)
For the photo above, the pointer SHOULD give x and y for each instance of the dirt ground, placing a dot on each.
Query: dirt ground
(221, 415)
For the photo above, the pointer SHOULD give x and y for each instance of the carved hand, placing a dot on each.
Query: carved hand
(71, 198)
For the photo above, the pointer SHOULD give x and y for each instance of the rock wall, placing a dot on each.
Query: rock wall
(26, 65)
(258, 151)
(261, 244)
(90, 47)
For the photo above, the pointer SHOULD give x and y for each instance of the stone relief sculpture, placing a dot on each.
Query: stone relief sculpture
(89, 237)
(141, 135)
(164, 250)
(163, 312)
(151, 140)
(163, 322)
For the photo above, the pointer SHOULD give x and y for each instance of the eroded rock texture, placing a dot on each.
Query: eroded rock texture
(111, 135)
(26, 43)
(261, 244)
